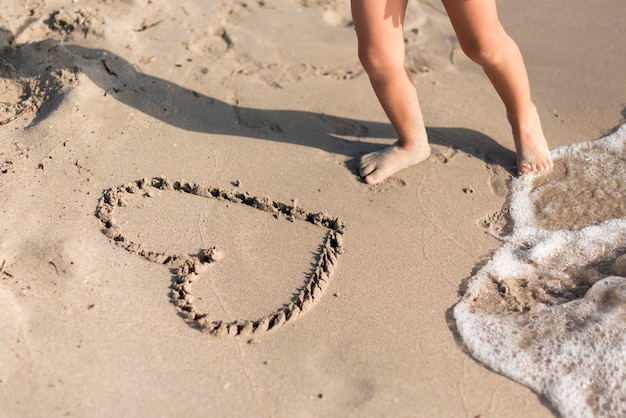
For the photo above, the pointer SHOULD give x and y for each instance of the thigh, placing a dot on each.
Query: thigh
(379, 24)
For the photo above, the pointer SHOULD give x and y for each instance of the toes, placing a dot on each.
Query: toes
(374, 177)
(366, 167)
(526, 167)
(370, 180)
(365, 171)
(545, 166)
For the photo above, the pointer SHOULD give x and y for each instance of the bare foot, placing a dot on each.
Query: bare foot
(377, 166)
(533, 154)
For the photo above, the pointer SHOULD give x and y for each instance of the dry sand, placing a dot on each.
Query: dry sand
(265, 99)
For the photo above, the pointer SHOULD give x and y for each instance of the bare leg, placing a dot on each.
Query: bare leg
(484, 40)
(379, 28)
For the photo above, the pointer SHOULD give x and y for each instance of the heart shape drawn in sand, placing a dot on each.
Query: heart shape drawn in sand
(188, 267)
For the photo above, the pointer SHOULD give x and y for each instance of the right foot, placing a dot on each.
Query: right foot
(533, 154)
(379, 165)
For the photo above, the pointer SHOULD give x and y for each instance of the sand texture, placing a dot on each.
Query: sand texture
(183, 232)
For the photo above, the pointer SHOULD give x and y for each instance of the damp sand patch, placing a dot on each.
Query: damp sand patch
(189, 269)
(549, 309)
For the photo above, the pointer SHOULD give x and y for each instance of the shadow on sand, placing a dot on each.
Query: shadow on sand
(189, 110)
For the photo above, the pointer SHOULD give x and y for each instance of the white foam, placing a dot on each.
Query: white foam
(549, 309)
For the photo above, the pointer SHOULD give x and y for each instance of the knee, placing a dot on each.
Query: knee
(484, 50)
(379, 63)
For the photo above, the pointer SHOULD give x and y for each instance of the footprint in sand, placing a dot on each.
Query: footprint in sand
(389, 184)
(189, 268)
(549, 309)
(67, 22)
(496, 223)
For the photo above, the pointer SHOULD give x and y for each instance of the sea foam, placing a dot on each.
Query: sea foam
(549, 309)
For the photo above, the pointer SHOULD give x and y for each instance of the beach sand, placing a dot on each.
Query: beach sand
(264, 106)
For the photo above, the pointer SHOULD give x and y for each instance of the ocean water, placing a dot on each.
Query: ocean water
(548, 310)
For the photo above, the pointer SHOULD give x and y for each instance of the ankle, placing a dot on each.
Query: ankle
(526, 118)
(413, 144)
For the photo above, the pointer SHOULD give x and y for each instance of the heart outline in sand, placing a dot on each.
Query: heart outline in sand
(187, 267)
